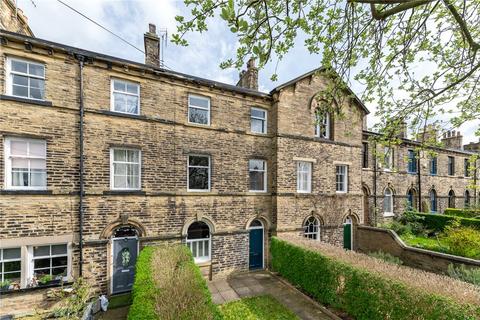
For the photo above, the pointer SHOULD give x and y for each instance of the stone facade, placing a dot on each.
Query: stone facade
(163, 208)
(13, 19)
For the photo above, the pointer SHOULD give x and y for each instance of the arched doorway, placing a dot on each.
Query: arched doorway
(124, 257)
(199, 241)
(451, 199)
(256, 245)
(348, 233)
(411, 199)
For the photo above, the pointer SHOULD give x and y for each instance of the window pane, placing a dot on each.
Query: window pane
(38, 178)
(38, 164)
(132, 182)
(37, 83)
(198, 161)
(198, 116)
(19, 66)
(36, 93)
(119, 155)
(132, 104)
(15, 276)
(119, 85)
(258, 125)
(132, 88)
(13, 253)
(119, 169)
(37, 149)
(199, 102)
(256, 165)
(59, 271)
(258, 113)
(41, 251)
(59, 249)
(20, 80)
(36, 70)
(119, 102)
(19, 91)
(198, 179)
(20, 178)
(41, 263)
(39, 273)
(120, 181)
(257, 180)
(132, 155)
(59, 261)
(11, 266)
(18, 148)
(20, 164)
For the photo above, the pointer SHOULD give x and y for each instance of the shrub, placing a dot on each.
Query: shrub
(367, 288)
(464, 213)
(387, 257)
(73, 304)
(439, 222)
(462, 241)
(462, 273)
(168, 285)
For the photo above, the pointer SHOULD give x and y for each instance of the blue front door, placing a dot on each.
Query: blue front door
(256, 249)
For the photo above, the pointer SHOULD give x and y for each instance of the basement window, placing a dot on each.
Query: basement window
(25, 79)
(125, 97)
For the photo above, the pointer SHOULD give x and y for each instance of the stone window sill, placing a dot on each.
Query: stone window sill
(26, 192)
(44, 103)
(48, 286)
(125, 192)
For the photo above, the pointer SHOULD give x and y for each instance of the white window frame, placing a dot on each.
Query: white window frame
(9, 78)
(326, 124)
(31, 258)
(208, 109)
(309, 176)
(388, 159)
(209, 172)
(345, 181)
(264, 174)
(390, 197)
(112, 91)
(112, 183)
(195, 242)
(306, 234)
(8, 163)
(2, 261)
(265, 120)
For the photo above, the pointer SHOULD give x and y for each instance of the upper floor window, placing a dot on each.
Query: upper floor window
(388, 202)
(258, 175)
(342, 178)
(451, 166)
(25, 79)
(365, 155)
(125, 97)
(466, 165)
(125, 169)
(198, 173)
(433, 165)
(388, 158)
(258, 120)
(10, 266)
(25, 164)
(199, 110)
(322, 125)
(412, 161)
(304, 177)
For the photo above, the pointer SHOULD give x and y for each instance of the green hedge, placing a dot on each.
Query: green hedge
(438, 222)
(358, 292)
(464, 213)
(171, 290)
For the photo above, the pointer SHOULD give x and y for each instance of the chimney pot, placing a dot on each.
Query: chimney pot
(152, 28)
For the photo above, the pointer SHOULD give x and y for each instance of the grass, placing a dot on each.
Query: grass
(256, 308)
(120, 300)
(433, 244)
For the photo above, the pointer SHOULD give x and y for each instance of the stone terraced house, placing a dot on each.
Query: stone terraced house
(102, 156)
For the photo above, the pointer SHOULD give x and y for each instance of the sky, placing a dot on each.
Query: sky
(51, 20)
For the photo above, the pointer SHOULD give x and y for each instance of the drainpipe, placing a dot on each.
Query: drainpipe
(375, 186)
(81, 169)
(419, 176)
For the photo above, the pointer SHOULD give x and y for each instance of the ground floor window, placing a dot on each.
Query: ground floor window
(199, 241)
(10, 267)
(311, 228)
(50, 262)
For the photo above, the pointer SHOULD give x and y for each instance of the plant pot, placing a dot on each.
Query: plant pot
(50, 283)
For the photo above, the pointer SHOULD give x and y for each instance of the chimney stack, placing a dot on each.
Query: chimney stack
(402, 130)
(152, 46)
(472, 146)
(452, 140)
(429, 135)
(249, 78)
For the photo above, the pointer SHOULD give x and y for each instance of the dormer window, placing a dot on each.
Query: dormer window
(322, 125)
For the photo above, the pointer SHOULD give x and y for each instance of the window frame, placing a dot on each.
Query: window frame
(112, 91)
(365, 155)
(197, 107)
(327, 125)
(433, 199)
(209, 172)
(265, 175)
(10, 72)
(345, 182)
(112, 173)
(390, 164)
(412, 167)
(451, 166)
(2, 261)
(391, 202)
(433, 164)
(317, 233)
(466, 164)
(189, 244)
(30, 264)
(309, 176)
(265, 120)
(8, 163)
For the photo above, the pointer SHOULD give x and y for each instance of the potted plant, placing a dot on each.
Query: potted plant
(45, 279)
(5, 285)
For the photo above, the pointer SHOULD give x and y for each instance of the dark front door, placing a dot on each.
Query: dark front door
(256, 249)
(125, 252)
(347, 236)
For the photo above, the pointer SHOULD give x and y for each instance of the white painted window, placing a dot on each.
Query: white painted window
(304, 177)
(10, 267)
(25, 164)
(25, 79)
(198, 173)
(125, 169)
(388, 202)
(199, 241)
(311, 229)
(258, 175)
(125, 96)
(199, 110)
(388, 158)
(322, 125)
(258, 120)
(49, 262)
(342, 178)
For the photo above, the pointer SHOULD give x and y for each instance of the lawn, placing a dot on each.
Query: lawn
(433, 244)
(256, 308)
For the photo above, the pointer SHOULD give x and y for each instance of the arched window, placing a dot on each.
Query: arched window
(433, 200)
(388, 202)
(411, 199)
(199, 241)
(125, 231)
(311, 228)
(467, 199)
(322, 125)
(451, 199)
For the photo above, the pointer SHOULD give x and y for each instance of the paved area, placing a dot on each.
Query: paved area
(263, 282)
